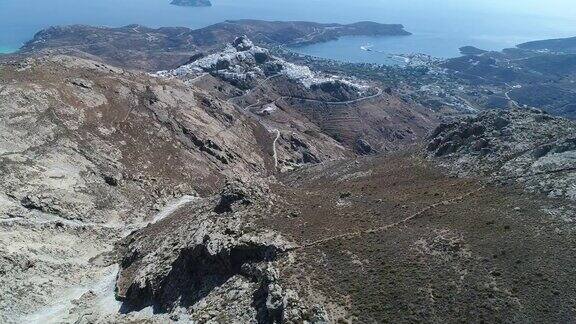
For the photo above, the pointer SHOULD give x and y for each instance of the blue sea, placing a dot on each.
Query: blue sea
(439, 27)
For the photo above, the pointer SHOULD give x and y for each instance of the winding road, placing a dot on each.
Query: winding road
(198, 77)
(507, 95)
(275, 152)
(378, 94)
(249, 91)
(259, 103)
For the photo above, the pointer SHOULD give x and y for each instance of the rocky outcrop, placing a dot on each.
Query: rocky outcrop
(235, 194)
(528, 146)
(200, 265)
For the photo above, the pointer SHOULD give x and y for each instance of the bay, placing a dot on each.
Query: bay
(439, 27)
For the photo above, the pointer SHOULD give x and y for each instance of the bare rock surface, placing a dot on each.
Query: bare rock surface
(527, 146)
(89, 152)
(209, 266)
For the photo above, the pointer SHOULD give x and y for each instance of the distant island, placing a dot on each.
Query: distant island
(192, 3)
(471, 50)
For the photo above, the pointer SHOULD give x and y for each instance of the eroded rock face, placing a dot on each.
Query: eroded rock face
(85, 159)
(528, 146)
(198, 260)
(234, 195)
(196, 271)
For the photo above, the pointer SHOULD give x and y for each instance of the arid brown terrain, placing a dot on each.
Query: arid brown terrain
(235, 186)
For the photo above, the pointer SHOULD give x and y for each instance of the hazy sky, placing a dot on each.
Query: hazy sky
(559, 8)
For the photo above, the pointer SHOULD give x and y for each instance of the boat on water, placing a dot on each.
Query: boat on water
(367, 48)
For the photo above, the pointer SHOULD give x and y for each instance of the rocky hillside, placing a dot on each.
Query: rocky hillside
(526, 146)
(93, 152)
(298, 102)
(239, 187)
(90, 152)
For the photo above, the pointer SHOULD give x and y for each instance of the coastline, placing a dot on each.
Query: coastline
(7, 50)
